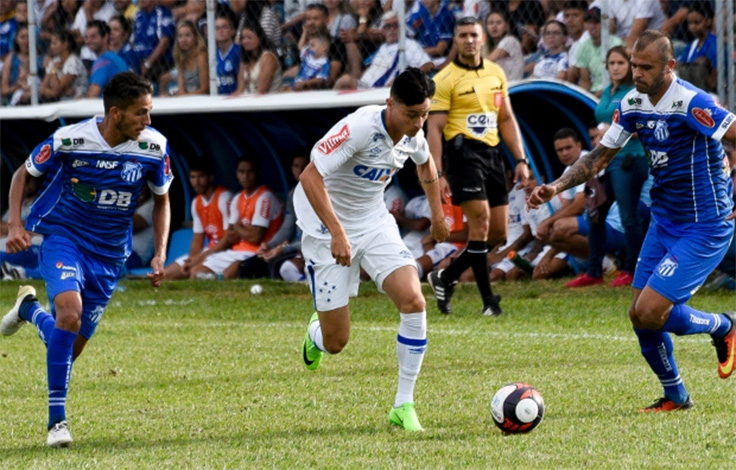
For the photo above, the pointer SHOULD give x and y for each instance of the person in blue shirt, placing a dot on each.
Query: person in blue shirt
(120, 31)
(228, 55)
(432, 25)
(8, 27)
(108, 63)
(95, 172)
(153, 35)
(692, 216)
(703, 50)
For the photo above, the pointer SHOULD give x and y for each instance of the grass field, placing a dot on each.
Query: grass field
(204, 375)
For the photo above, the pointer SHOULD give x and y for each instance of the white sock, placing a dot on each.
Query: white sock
(410, 346)
(289, 272)
(315, 332)
(420, 270)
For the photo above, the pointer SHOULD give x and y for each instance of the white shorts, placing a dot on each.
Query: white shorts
(379, 253)
(220, 261)
(440, 252)
(180, 260)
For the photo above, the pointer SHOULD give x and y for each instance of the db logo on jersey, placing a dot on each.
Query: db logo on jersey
(43, 154)
(703, 117)
(334, 142)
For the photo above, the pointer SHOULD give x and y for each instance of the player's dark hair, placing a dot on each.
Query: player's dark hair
(663, 40)
(66, 37)
(124, 23)
(412, 87)
(564, 133)
(704, 8)
(101, 26)
(256, 164)
(202, 165)
(581, 5)
(318, 6)
(123, 89)
(558, 23)
(467, 20)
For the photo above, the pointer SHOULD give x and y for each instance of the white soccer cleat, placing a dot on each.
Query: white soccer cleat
(59, 435)
(12, 321)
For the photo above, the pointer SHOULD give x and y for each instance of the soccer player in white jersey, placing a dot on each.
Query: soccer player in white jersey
(95, 173)
(346, 226)
(692, 212)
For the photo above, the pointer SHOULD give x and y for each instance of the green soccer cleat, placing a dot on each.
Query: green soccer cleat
(406, 417)
(311, 354)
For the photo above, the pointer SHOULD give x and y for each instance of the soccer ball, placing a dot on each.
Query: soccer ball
(517, 408)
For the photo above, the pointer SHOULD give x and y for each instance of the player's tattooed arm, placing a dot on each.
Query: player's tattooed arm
(585, 168)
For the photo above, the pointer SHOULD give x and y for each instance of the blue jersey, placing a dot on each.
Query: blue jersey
(428, 30)
(105, 67)
(91, 190)
(228, 67)
(681, 135)
(149, 29)
(8, 28)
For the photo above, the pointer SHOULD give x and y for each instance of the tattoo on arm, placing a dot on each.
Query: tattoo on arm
(585, 168)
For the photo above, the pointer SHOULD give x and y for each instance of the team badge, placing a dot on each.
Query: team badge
(667, 267)
(43, 154)
(334, 142)
(661, 131)
(703, 117)
(132, 172)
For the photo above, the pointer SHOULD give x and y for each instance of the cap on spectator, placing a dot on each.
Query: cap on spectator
(594, 14)
(389, 15)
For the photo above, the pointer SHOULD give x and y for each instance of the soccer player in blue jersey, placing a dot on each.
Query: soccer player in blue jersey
(692, 214)
(94, 172)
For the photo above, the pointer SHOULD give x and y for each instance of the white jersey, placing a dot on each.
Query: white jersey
(417, 208)
(357, 160)
(394, 198)
(517, 206)
(534, 217)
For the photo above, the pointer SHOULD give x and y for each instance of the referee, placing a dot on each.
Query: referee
(470, 107)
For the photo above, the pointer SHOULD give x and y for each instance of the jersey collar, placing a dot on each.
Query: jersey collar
(467, 67)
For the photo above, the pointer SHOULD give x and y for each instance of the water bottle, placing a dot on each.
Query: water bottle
(520, 262)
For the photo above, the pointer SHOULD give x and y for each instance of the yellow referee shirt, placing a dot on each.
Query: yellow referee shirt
(471, 97)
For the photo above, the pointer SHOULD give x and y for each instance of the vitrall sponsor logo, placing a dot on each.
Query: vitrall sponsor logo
(667, 267)
(333, 142)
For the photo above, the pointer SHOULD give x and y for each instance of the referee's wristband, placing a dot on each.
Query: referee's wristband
(524, 161)
(440, 174)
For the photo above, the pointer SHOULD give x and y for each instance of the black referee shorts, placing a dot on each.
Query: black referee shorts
(475, 171)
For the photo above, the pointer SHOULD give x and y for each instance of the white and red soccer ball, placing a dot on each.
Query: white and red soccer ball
(517, 408)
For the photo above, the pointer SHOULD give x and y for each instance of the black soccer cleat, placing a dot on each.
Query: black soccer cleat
(665, 404)
(442, 291)
(492, 308)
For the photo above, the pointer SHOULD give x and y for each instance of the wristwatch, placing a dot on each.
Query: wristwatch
(524, 161)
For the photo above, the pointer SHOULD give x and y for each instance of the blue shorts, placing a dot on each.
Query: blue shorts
(615, 240)
(65, 268)
(676, 259)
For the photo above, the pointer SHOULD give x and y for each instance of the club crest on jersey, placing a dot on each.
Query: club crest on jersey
(132, 172)
(667, 267)
(479, 124)
(43, 154)
(703, 117)
(334, 142)
(661, 131)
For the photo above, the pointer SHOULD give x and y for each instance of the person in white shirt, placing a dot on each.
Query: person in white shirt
(346, 226)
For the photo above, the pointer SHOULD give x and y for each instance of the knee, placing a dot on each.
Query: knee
(335, 343)
(68, 316)
(646, 316)
(413, 304)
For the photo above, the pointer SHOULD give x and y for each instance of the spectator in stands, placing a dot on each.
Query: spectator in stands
(701, 54)
(16, 87)
(498, 255)
(189, 10)
(554, 63)
(621, 15)
(120, 31)
(210, 213)
(649, 15)
(228, 55)
(66, 77)
(432, 24)
(125, 8)
(260, 70)
(676, 23)
(260, 12)
(314, 70)
(502, 47)
(91, 10)
(295, 12)
(153, 35)
(521, 13)
(574, 16)
(384, 66)
(281, 256)
(60, 16)
(191, 75)
(623, 181)
(8, 28)
(108, 63)
(23, 264)
(370, 34)
(255, 217)
(588, 61)
(435, 252)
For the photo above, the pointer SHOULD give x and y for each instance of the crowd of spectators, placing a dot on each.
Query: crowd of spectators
(265, 46)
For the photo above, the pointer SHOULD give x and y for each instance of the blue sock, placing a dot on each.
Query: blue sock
(684, 320)
(34, 313)
(59, 366)
(657, 348)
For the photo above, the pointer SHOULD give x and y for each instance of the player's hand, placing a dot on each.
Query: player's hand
(155, 277)
(732, 216)
(543, 230)
(19, 239)
(445, 192)
(521, 173)
(440, 231)
(341, 250)
(540, 195)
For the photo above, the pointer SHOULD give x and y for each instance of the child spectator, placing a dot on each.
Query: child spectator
(314, 70)
(66, 77)
(228, 55)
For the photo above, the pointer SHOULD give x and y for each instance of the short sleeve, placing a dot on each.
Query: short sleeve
(42, 158)
(161, 178)
(707, 118)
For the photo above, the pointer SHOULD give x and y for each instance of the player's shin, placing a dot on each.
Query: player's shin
(59, 368)
(41, 319)
(657, 348)
(411, 344)
(685, 320)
